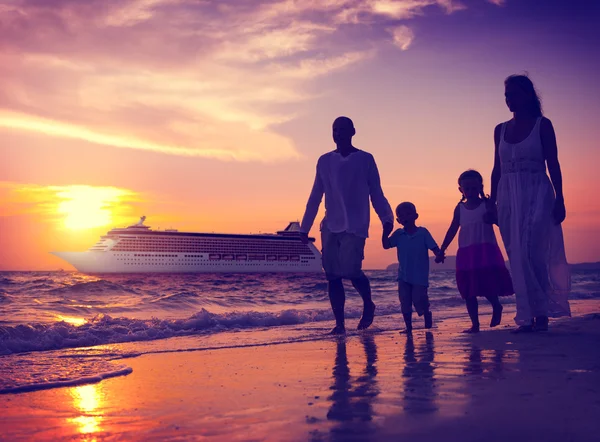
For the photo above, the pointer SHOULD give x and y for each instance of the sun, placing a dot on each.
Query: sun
(87, 207)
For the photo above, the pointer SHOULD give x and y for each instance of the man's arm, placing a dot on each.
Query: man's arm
(388, 241)
(378, 199)
(312, 206)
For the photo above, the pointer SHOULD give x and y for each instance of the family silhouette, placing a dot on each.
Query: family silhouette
(525, 202)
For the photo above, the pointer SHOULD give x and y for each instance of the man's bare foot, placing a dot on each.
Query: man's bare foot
(473, 329)
(367, 317)
(406, 331)
(338, 330)
(496, 317)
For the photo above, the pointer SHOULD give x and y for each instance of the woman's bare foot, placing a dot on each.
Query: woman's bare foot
(523, 329)
(473, 329)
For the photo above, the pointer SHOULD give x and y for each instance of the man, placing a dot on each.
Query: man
(348, 177)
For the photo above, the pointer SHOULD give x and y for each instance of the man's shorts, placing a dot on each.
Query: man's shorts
(342, 254)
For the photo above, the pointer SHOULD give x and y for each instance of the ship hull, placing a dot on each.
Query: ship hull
(110, 262)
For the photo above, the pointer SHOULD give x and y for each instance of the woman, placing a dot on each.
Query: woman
(531, 207)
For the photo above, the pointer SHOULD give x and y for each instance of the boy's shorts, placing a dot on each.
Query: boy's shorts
(342, 254)
(413, 294)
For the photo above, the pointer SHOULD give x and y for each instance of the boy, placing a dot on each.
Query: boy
(412, 244)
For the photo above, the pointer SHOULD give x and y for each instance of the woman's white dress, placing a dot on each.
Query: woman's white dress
(534, 242)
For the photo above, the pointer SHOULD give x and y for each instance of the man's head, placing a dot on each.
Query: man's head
(343, 131)
(406, 214)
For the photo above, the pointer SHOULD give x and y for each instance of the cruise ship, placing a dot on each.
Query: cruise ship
(139, 249)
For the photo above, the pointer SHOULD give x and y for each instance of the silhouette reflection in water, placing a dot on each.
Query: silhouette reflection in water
(352, 400)
(418, 373)
(485, 363)
(474, 365)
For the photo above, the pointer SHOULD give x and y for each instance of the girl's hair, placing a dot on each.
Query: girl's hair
(472, 174)
(525, 84)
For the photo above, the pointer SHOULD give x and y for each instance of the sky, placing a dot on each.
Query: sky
(210, 115)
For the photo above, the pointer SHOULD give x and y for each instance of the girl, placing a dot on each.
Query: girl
(531, 207)
(480, 268)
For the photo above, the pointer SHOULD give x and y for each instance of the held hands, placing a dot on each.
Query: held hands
(559, 212)
(440, 257)
(491, 214)
(385, 236)
(387, 229)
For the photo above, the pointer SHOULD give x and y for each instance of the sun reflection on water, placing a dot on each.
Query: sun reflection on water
(87, 399)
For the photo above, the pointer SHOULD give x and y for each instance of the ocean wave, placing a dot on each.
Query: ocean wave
(104, 329)
(585, 295)
(99, 286)
(39, 286)
(54, 372)
(6, 281)
(177, 297)
(316, 287)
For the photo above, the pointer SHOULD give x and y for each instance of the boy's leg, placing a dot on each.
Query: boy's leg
(497, 313)
(421, 302)
(473, 309)
(405, 296)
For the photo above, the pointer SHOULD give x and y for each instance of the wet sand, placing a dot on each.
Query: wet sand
(439, 385)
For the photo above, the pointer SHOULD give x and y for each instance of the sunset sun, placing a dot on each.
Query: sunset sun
(85, 207)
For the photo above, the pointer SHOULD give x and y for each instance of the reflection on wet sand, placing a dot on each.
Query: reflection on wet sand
(485, 363)
(418, 373)
(353, 407)
(87, 400)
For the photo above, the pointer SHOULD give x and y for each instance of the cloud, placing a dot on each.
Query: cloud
(204, 79)
(224, 145)
(403, 36)
(497, 2)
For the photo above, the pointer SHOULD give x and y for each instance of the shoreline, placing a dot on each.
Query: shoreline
(439, 385)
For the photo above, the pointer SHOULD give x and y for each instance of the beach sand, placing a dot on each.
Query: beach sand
(439, 385)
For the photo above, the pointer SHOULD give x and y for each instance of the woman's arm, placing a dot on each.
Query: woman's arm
(496, 171)
(452, 230)
(551, 156)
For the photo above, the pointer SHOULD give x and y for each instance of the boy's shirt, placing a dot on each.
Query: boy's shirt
(413, 255)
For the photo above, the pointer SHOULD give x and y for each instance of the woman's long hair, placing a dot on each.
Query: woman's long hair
(525, 84)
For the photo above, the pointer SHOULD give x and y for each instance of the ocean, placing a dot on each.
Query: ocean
(67, 328)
